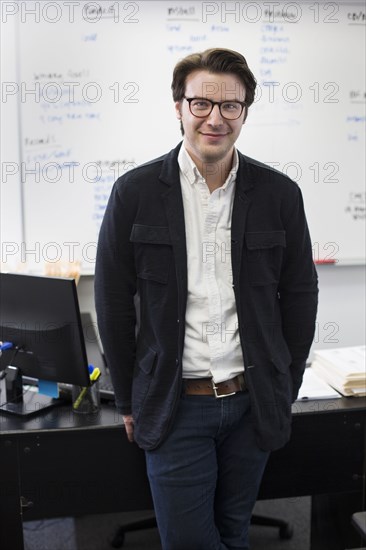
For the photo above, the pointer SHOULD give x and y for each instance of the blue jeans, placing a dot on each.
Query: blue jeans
(205, 476)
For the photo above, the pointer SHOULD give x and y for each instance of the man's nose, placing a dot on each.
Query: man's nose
(215, 118)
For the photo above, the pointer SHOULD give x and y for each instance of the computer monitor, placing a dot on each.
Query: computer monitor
(40, 317)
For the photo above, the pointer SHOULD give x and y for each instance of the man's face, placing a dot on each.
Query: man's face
(211, 139)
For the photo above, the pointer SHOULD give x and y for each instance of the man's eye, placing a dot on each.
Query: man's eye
(201, 104)
(230, 106)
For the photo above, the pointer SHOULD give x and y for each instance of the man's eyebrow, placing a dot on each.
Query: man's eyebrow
(223, 101)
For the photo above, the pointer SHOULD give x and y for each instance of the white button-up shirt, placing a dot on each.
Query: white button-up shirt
(212, 346)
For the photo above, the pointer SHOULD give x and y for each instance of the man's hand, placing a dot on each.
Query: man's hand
(128, 422)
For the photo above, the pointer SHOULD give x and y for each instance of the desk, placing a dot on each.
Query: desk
(64, 464)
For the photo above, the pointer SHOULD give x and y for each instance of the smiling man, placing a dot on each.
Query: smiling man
(210, 251)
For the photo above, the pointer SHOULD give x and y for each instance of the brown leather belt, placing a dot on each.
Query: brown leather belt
(206, 386)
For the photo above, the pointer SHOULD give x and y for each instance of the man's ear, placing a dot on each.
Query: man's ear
(245, 114)
(178, 113)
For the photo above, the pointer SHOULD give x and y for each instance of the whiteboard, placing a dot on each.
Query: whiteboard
(11, 226)
(95, 101)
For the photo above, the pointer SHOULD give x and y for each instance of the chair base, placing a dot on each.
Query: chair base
(119, 537)
(286, 530)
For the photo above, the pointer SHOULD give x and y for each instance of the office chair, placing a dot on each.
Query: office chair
(358, 521)
(286, 530)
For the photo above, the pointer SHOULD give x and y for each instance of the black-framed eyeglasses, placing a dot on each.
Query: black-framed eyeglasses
(201, 107)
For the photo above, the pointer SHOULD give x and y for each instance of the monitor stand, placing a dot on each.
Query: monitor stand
(33, 403)
(23, 401)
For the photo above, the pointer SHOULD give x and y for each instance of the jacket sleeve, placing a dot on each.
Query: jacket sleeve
(115, 289)
(298, 292)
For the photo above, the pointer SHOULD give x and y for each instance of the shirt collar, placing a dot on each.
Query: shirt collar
(191, 172)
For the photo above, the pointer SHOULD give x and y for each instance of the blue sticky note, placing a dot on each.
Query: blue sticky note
(48, 388)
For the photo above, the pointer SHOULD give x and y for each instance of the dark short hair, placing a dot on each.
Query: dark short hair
(214, 60)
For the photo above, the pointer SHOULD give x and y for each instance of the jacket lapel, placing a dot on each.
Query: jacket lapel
(174, 210)
(239, 215)
(173, 202)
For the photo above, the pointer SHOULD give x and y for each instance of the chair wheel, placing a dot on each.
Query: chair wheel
(118, 539)
(286, 532)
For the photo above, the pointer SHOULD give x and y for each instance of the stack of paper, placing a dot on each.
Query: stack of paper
(342, 368)
(314, 387)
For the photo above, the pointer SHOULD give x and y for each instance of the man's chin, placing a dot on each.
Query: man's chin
(214, 153)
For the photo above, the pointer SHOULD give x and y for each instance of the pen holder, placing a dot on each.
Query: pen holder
(86, 400)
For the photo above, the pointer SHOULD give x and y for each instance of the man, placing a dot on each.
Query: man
(210, 251)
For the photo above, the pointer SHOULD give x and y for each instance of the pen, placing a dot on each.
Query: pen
(80, 398)
(95, 374)
(5, 345)
(93, 378)
(326, 261)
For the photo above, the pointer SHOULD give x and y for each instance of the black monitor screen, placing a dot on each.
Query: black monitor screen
(40, 316)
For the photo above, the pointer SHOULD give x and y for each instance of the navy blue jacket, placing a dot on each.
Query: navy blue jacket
(141, 294)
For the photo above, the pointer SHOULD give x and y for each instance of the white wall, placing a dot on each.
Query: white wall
(341, 313)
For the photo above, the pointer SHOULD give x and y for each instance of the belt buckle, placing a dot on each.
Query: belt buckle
(222, 395)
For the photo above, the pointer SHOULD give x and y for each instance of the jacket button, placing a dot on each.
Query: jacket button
(177, 362)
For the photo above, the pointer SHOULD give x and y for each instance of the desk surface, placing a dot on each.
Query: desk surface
(63, 418)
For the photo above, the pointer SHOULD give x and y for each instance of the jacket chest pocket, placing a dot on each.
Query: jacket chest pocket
(265, 251)
(153, 252)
